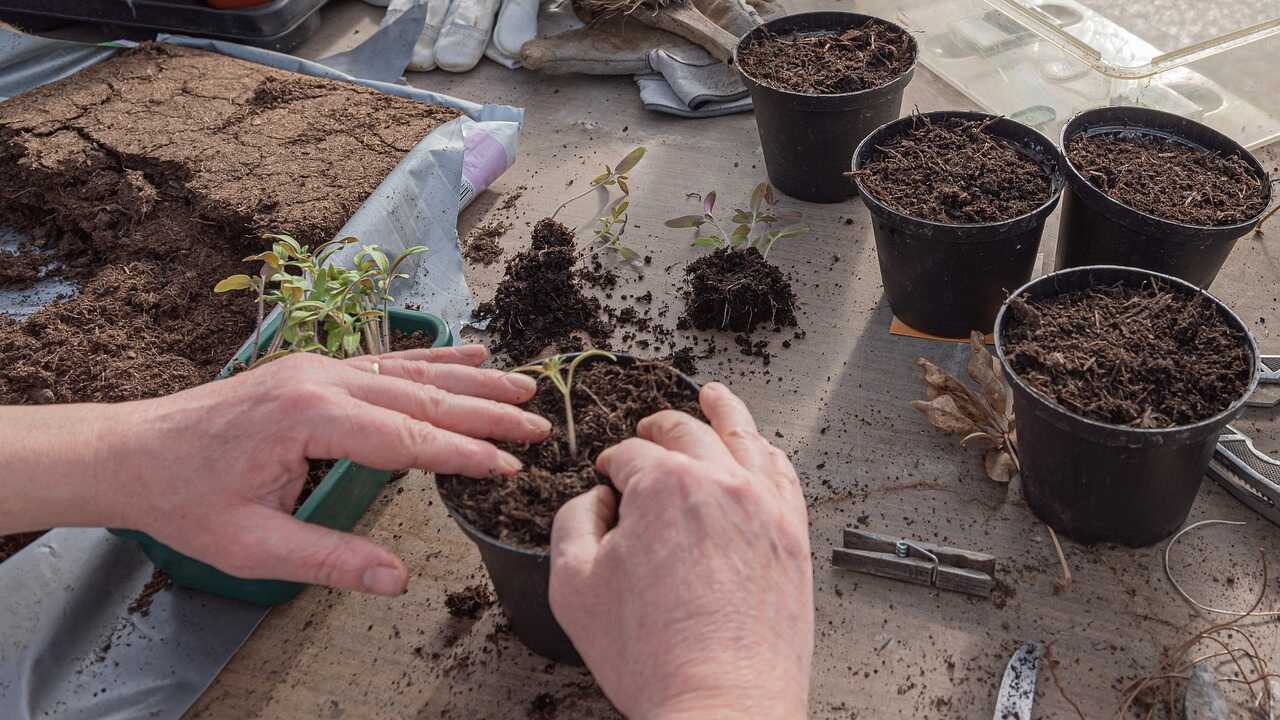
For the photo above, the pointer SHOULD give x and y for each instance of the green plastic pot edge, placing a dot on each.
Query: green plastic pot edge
(338, 502)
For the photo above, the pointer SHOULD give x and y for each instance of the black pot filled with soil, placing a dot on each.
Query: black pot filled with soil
(1122, 379)
(1157, 191)
(509, 519)
(958, 202)
(819, 83)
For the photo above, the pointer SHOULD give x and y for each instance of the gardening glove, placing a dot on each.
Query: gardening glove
(458, 32)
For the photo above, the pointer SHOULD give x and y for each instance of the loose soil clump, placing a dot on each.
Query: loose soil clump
(481, 246)
(469, 602)
(11, 544)
(736, 290)
(955, 172)
(830, 63)
(1169, 179)
(608, 401)
(1148, 357)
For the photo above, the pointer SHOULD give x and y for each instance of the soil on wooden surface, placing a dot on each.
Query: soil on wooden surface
(519, 510)
(148, 178)
(469, 602)
(541, 303)
(481, 246)
(830, 63)
(956, 172)
(736, 290)
(1148, 357)
(1168, 179)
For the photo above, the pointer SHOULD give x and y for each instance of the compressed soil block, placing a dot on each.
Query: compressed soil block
(736, 290)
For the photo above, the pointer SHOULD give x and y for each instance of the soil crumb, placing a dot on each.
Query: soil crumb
(830, 63)
(519, 509)
(736, 290)
(544, 706)
(481, 246)
(469, 602)
(1168, 179)
(955, 171)
(20, 270)
(159, 582)
(1146, 357)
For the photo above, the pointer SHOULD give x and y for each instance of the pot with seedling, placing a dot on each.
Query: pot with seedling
(1122, 380)
(594, 400)
(319, 307)
(958, 202)
(819, 83)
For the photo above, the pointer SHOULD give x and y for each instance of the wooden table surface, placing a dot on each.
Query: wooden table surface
(838, 401)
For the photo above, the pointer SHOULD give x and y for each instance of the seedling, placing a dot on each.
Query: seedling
(610, 177)
(609, 232)
(328, 309)
(755, 225)
(549, 369)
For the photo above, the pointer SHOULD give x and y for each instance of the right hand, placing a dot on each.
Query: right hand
(699, 602)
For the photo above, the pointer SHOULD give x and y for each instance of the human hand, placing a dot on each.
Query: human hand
(215, 471)
(699, 602)
(458, 32)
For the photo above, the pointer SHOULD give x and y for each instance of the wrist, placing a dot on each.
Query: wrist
(729, 705)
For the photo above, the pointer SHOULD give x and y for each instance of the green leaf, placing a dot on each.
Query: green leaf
(741, 216)
(630, 161)
(707, 241)
(351, 344)
(235, 282)
(686, 221)
(603, 178)
(627, 253)
(620, 208)
(740, 235)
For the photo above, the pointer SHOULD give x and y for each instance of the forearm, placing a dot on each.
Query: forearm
(60, 466)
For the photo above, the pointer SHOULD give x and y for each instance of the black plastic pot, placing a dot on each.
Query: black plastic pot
(522, 576)
(807, 139)
(949, 280)
(1098, 230)
(1098, 482)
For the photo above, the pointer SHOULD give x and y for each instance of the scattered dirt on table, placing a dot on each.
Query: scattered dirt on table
(736, 290)
(1148, 357)
(830, 63)
(1168, 179)
(159, 582)
(519, 509)
(544, 706)
(956, 172)
(470, 601)
(540, 302)
(482, 245)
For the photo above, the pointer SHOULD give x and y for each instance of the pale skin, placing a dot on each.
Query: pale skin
(693, 598)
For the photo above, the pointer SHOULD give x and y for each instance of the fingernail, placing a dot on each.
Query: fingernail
(508, 464)
(522, 383)
(537, 423)
(384, 580)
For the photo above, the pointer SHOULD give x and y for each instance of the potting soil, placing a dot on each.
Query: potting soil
(1149, 357)
(736, 290)
(956, 172)
(608, 401)
(830, 63)
(1169, 179)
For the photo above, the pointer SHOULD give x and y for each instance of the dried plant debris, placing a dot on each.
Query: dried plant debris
(1170, 179)
(481, 245)
(470, 601)
(984, 418)
(829, 63)
(955, 171)
(1153, 356)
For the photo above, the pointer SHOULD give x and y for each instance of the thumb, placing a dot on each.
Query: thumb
(579, 526)
(281, 547)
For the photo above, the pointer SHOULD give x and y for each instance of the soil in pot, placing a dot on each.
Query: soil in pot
(608, 401)
(736, 290)
(1146, 357)
(1169, 179)
(953, 171)
(829, 63)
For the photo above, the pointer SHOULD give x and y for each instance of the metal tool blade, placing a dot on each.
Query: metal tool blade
(1247, 473)
(1018, 687)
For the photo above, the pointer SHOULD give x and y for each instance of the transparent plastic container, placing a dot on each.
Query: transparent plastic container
(1042, 61)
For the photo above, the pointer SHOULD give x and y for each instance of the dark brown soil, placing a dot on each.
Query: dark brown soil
(481, 246)
(829, 63)
(159, 582)
(11, 544)
(736, 290)
(519, 510)
(148, 177)
(20, 270)
(1170, 180)
(469, 602)
(955, 172)
(540, 302)
(416, 340)
(1149, 357)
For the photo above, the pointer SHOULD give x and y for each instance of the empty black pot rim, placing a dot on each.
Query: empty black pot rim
(1218, 419)
(893, 128)
(624, 359)
(831, 16)
(1147, 121)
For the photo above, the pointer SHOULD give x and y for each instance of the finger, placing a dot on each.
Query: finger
(278, 546)
(680, 432)
(512, 388)
(472, 355)
(380, 438)
(735, 426)
(581, 524)
(471, 416)
(625, 461)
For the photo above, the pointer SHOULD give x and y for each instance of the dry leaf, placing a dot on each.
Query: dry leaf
(984, 440)
(1000, 465)
(986, 371)
(939, 384)
(944, 414)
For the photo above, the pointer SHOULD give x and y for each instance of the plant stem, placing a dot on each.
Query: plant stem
(565, 204)
(568, 422)
(257, 331)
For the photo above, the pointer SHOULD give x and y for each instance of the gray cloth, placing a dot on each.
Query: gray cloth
(691, 83)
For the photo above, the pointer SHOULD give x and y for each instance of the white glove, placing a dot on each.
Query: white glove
(458, 32)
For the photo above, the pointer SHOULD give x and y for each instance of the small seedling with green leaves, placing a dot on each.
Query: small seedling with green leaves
(550, 369)
(325, 308)
(754, 226)
(610, 177)
(613, 223)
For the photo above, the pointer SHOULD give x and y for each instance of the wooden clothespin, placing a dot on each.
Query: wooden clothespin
(922, 563)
